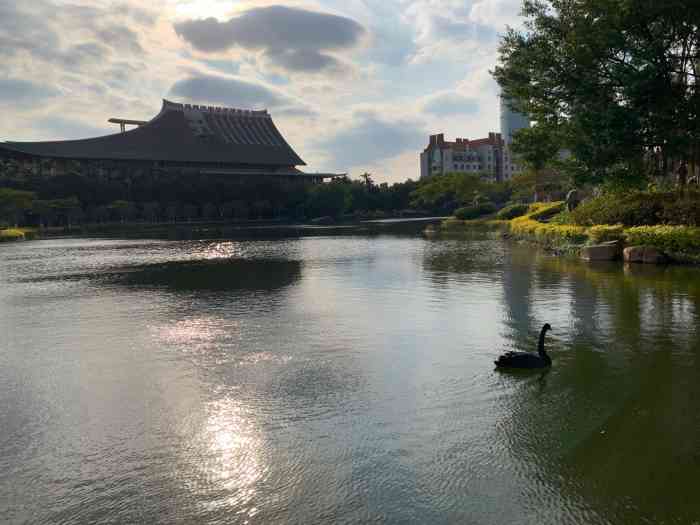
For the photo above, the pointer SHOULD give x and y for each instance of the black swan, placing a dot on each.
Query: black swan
(527, 359)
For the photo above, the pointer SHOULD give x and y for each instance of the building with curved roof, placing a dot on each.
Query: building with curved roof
(191, 138)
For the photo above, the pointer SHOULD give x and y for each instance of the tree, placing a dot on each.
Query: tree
(445, 193)
(14, 203)
(150, 211)
(326, 200)
(616, 78)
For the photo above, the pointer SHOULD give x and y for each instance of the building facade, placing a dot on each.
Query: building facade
(511, 121)
(181, 139)
(491, 157)
(481, 156)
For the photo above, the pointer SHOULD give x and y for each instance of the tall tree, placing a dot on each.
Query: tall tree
(618, 78)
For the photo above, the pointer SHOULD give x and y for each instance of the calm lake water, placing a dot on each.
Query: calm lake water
(343, 379)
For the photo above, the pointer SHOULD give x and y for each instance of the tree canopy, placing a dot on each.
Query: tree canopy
(617, 79)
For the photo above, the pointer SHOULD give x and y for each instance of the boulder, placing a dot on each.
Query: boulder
(644, 254)
(607, 251)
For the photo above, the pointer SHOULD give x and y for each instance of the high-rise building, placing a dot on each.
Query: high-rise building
(511, 121)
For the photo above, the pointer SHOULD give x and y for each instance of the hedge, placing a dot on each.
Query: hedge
(673, 239)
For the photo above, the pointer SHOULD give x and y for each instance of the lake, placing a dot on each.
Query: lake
(343, 379)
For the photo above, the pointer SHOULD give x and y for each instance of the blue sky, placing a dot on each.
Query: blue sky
(355, 85)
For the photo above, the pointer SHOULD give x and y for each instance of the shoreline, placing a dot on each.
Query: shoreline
(677, 245)
(209, 229)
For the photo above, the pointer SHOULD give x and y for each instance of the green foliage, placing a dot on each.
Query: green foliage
(13, 203)
(474, 212)
(604, 233)
(638, 208)
(550, 234)
(545, 211)
(512, 211)
(524, 186)
(563, 217)
(11, 234)
(672, 239)
(537, 146)
(681, 211)
(629, 209)
(326, 200)
(445, 193)
(614, 78)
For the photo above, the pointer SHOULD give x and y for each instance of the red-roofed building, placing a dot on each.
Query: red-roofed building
(480, 156)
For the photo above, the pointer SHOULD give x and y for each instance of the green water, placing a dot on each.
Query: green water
(342, 379)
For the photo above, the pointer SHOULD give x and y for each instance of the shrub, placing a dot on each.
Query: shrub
(544, 211)
(684, 211)
(512, 211)
(547, 233)
(563, 217)
(629, 208)
(604, 232)
(474, 212)
(11, 234)
(674, 239)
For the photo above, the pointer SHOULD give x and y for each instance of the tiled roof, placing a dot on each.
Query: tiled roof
(182, 133)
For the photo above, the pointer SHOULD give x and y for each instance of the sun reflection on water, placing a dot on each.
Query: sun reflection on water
(219, 250)
(232, 458)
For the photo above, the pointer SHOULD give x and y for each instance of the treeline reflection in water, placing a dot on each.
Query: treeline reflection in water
(614, 425)
(343, 379)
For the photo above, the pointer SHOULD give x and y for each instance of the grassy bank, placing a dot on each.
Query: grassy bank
(546, 224)
(17, 234)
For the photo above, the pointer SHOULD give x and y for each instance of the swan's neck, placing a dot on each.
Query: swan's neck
(540, 344)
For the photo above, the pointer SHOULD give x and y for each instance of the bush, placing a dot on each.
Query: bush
(605, 233)
(512, 211)
(684, 211)
(629, 209)
(673, 239)
(545, 211)
(11, 234)
(547, 233)
(474, 212)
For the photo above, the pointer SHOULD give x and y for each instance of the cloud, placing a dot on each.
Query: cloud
(60, 128)
(19, 92)
(294, 39)
(120, 37)
(296, 112)
(451, 104)
(227, 91)
(373, 139)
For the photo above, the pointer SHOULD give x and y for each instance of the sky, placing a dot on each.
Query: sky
(354, 85)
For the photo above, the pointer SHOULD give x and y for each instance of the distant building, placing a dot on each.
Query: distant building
(490, 157)
(181, 139)
(480, 156)
(511, 121)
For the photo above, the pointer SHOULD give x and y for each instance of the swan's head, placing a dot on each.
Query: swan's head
(546, 328)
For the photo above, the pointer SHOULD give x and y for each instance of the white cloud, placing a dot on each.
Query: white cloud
(412, 67)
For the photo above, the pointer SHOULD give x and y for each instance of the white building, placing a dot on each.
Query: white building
(480, 156)
(491, 157)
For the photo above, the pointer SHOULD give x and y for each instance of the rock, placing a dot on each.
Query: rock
(644, 254)
(607, 251)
